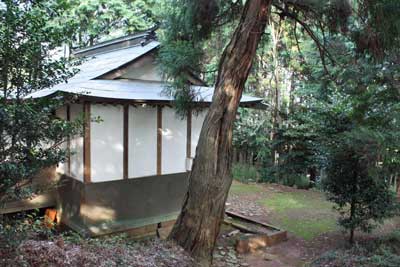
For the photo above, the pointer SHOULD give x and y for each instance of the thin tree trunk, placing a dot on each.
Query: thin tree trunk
(351, 240)
(276, 31)
(198, 225)
(352, 211)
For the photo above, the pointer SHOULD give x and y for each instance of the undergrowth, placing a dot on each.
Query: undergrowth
(382, 252)
(244, 173)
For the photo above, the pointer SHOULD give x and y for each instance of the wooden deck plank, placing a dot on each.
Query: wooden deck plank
(44, 200)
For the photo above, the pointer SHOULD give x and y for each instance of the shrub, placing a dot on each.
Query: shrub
(356, 183)
(244, 173)
(302, 181)
(383, 252)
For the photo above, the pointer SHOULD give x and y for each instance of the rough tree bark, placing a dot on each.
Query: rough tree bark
(198, 225)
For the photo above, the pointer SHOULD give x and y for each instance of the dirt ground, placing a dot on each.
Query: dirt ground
(306, 215)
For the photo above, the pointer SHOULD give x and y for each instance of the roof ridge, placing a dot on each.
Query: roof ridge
(147, 35)
(117, 49)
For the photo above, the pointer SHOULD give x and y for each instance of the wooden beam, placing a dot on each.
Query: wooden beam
(189, 134)
(126, 142)
(69, 142)
(159, 139)
(86, 144)
(115, 101)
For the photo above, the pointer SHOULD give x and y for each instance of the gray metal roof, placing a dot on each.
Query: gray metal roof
(85, 83)
(130, 90)
(110, 43)
(99, 64)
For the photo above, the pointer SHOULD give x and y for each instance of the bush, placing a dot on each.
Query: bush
(244, 173)
(357, 184)
(383, 252)
(18, 227)
(302, 181)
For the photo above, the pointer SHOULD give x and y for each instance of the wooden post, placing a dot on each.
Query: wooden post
(189, 134)
(86, 144)
(69, 142)
(126, 142)
(159, 139)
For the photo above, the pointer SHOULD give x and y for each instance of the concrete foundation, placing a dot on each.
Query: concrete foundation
(102, 208)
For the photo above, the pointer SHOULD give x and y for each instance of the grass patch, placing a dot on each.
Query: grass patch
(283, 202)
(309, 228)
(305, 213)
(240, 188)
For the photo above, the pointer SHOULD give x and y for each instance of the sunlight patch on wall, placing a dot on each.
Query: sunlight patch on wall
(97, 213)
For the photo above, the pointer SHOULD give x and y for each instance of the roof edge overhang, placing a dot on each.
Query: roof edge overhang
(256, 104)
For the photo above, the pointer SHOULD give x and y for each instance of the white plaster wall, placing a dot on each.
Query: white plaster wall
(76, 110)
(144, 69)
(106, 143)
(173, 142)
(197, 123)
(62, 166)
(142, 141)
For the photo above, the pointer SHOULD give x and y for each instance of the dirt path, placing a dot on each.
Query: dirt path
(308, 218)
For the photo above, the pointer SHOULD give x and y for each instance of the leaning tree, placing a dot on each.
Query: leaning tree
(187, 25)
(198, 224)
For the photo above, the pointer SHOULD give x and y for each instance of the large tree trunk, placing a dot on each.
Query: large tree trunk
(198, 224)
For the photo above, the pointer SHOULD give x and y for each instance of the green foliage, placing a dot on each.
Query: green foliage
(91, 21)
(341, 116)
(377, 30)
(360, 142)
(357, 185)
(381, 252)
(30, 141)
(27, 36)
(30, 133)
(302, 182)
(186, 26)
(244, 173)
(251, 132)
(14, 229)
(181, 52)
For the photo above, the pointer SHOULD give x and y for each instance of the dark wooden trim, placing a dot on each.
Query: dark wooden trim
(159, 139)
(86, 144)
(118, 101)
(126, 142)
(68, 110)
(189, 134)
(133, 102)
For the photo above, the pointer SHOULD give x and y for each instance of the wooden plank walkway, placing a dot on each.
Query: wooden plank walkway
(44, 200)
